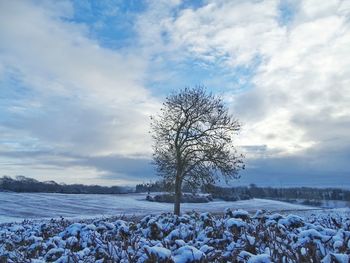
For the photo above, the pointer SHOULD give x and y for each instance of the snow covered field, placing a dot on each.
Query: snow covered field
(19, 206)
(236, 235)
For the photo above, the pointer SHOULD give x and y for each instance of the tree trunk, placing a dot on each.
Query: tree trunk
(177, 195)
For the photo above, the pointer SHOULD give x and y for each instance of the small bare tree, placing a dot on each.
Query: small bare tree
(193, 140)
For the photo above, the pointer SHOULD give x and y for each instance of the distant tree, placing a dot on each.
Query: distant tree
(25, 184)
(193, 140)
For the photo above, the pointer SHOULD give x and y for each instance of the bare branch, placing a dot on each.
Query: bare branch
(192, 138)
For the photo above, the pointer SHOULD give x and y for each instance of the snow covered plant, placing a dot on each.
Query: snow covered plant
(237, 236)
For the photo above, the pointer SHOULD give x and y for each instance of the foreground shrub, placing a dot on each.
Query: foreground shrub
(237, 236)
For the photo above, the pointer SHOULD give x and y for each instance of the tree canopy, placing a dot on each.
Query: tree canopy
(193, 140)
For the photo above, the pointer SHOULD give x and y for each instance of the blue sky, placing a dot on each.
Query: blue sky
(79, 79)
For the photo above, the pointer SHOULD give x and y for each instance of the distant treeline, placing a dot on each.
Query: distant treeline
(253, 191)
(308, 193)
(25, 184)
(30, 185)
(161, 186)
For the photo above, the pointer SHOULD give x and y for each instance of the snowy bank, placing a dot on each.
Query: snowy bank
(237, 236)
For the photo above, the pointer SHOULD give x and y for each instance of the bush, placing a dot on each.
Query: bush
(234, 237)
(186, 198)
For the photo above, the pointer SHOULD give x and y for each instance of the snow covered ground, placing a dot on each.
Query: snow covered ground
(235, 236)
(19, 206)
(251, 235)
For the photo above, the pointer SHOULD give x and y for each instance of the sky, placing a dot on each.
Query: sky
(79, 80)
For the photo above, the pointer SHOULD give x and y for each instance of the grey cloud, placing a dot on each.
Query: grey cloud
(66, 124)
(321, 167)
(88, 108)
(109, 167)
(250, 106)
(323, 126)
(82, 97)
(115, 166)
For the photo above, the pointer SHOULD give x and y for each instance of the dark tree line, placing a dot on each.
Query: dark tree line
(308, 193)
(253, 191)
(163, 186)
(30, 185)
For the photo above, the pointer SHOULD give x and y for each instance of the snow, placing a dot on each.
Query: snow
(187, 254)
(310, 234)
(238, 236)
(263, 258)
(160, 253)
(334, 257)
(291, 221)
(232, 222)
(251, 258)
(73, 229)
(54, 254)
(240, 213)
(20, 206)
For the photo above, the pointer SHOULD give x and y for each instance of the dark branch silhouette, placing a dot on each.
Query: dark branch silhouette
(193, 140)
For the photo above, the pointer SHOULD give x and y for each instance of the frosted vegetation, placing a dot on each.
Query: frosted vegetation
(235, 236)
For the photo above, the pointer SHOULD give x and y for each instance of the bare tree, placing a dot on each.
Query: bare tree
(193, 140)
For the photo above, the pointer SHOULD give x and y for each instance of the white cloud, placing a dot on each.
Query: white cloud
(90, 101)
(238, 31)
(87, 99)
(304, 69)
(81, 99)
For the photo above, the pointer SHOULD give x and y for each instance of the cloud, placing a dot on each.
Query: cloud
(91, 169)
(85, 98)
(66, 96)
(319, 166)
(304, 63)
(297, 103)
(114, 167)
(283, 67)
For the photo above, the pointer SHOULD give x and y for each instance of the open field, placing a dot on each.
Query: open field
(19, 206)
(101, 228)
